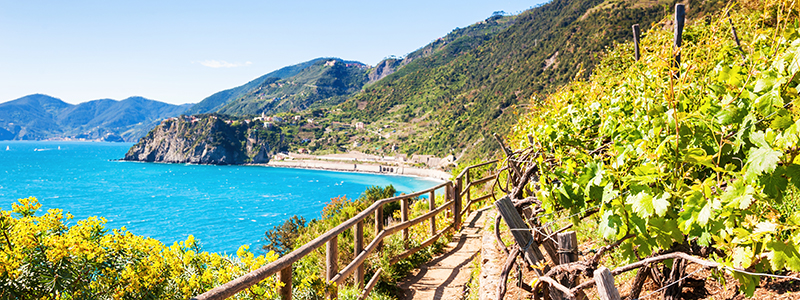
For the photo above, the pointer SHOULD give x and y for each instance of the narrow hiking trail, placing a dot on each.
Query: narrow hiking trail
(445, 276)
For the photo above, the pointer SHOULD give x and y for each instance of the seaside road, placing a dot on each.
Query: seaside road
(446, 276)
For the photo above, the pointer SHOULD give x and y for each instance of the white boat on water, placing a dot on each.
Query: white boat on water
(7, 148)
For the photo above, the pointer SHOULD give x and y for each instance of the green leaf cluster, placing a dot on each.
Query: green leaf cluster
(707, 157)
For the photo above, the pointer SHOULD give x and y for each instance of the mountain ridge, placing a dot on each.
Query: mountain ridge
(39, 116)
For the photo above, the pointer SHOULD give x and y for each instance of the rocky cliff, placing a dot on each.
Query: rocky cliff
(208, 139)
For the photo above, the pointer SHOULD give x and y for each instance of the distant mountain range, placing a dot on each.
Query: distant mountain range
(41, 117)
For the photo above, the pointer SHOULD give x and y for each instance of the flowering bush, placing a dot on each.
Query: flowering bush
(43, 257)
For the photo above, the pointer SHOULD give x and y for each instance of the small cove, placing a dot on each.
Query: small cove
(224, 207)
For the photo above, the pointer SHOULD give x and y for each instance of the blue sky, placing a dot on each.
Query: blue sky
(184, 51)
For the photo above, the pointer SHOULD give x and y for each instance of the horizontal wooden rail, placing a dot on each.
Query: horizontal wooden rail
(370, 285)
(417, 220)
(475, 166)
(466, 207)
(424, 244)
(477, 182)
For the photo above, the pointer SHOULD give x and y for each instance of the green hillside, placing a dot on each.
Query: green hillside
(326, 82)
(217, 100)
(454, 99)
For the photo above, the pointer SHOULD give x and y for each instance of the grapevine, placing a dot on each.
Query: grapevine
(705, 164)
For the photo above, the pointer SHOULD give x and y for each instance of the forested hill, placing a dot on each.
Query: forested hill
(217, 100)
(324, 82)
(456, 98)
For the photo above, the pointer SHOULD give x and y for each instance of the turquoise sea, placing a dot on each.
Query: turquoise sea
(224, 207)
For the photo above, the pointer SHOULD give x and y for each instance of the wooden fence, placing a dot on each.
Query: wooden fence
(456, 192)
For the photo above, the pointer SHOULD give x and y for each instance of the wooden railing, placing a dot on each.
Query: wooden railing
(455, 193)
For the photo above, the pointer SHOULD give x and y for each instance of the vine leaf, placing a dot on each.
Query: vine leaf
(642, 204)
(738, 195)
(661, 203)
(760, 160)
(784, 255)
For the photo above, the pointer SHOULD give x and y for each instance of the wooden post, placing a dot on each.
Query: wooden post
(432, 206)
(567, 252)
(358, 246)
(567, 247)
(332, 263)
(457, 205)
(605, 284)
(286, 279)
(636, 41)
(680, 16)
(520, 231)
(735, 36)
(467, 201)
(379, 225)
(404, 218)
(523, 237)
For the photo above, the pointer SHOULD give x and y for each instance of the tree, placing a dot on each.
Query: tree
(281, 237)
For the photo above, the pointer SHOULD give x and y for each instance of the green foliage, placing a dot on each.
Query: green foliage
(280, 239)
(244, 140)
(318, 84)
(44, 257)
(216, 101)
(708, 158)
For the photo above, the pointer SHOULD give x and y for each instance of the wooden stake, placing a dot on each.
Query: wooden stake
(605, 284)
(457, 205)
(636, 41)
(680, 16)
(735, 36)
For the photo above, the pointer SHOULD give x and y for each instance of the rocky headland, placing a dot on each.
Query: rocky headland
(208, 139)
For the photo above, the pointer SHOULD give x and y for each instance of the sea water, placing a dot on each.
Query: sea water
(224, 207)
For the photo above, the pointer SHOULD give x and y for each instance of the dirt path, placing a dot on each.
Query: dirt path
(445, 277)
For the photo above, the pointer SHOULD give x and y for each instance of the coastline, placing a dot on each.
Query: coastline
(358, 168)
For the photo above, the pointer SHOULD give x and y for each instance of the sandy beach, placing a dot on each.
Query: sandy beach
(354, 162)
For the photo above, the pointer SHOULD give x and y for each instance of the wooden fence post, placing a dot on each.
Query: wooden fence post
(567, 252)
(468, 188)
(432, 206)
(358, 246)
(332, 263)
(605, 284)
(457, 205)
(636, 41)
(379, 225)
(520, 231)
(404, 218)
(680, 16)
(286, 279)
(523, 237)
